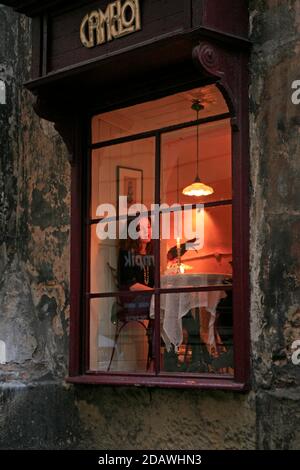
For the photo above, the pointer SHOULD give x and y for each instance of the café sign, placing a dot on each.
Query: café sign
(119, 19)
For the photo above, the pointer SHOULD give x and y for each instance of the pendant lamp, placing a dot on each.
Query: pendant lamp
(197, 188)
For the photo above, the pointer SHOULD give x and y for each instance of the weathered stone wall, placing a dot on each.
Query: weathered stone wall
(34, 231)
(275, 220)
(37, 409)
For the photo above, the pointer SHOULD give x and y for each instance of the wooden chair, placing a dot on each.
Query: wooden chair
(125, 310)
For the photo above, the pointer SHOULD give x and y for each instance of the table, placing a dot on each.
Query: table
(175, 306)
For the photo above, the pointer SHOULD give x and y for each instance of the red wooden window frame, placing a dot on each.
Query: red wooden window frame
(228, 70)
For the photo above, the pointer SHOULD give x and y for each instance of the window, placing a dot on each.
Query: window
(161, 297)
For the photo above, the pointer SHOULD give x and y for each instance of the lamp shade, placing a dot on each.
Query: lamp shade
(198, 189)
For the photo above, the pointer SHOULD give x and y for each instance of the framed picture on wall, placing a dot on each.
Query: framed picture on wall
(130, 184)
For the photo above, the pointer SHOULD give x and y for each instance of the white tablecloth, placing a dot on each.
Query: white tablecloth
(175, 306)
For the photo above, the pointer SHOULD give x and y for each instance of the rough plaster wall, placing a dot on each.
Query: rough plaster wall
(34, 219)
(275, 220)
(37, 410)
(166, 419)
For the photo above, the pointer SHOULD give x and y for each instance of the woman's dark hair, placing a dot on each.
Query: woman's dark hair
(133, 245)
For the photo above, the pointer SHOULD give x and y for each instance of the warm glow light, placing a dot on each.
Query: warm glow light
(198, 189)
(178, 242)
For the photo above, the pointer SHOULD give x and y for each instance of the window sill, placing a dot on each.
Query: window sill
(160, 381)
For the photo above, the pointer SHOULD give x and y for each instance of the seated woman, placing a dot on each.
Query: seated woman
(136, 268)
(136, 274)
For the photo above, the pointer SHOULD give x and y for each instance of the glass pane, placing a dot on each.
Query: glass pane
(207, 229)
(121, 334)
(118, 260)
(179, 163)
(197, 332)
(156, 114)
(123, 170)
(120, 265)
(103, 264)
(200, 263)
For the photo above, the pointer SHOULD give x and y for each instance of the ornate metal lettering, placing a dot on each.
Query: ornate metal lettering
(119, 19)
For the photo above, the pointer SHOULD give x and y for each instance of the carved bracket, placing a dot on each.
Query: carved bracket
(66, 124)
(223, 67)
(69, 131)
(206, 56)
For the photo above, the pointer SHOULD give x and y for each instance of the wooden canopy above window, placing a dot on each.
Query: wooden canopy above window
(167, 29)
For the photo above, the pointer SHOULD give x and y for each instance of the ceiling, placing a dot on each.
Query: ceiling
(161, 113)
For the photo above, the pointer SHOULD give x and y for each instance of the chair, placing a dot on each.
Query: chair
(130, 309)
(224, 330)
(224, 321)
(200, 357)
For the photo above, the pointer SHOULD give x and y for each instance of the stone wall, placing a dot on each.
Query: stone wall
(37, 408)
(275, 220)
(34, 231)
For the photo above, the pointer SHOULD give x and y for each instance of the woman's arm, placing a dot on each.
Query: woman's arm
(138, 286)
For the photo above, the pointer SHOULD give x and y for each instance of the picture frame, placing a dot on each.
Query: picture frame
(130, 184)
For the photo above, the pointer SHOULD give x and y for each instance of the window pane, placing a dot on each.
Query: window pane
(123, 170)
(157, 114)
(197, 332)
(127, 170)
(121, 334)
(211, 257)
(207, 229)
(120, 265)
(103, 264)
(179, 163)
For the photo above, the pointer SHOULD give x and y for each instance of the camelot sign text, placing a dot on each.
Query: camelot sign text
(119, 19)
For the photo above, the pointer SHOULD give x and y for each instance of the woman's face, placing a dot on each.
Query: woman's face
(145, 230)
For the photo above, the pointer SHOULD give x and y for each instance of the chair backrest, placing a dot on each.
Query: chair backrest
(114, 274)
(134, 307)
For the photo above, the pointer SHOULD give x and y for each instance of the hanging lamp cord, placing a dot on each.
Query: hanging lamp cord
(197, 106)
(197, 144)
